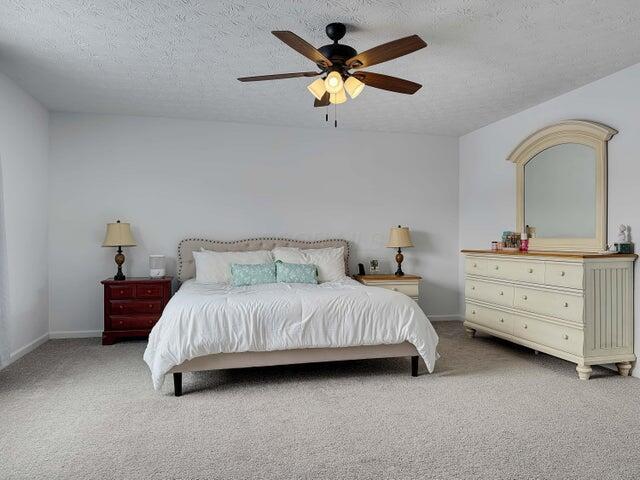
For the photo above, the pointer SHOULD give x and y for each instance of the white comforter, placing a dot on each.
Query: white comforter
(202, 319)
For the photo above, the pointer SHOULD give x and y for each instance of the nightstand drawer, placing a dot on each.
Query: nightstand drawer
(148, 291)
(409, 289)
(127, 307)
(123, 322)
(121, 291)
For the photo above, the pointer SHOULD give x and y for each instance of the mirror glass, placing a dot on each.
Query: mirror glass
(560, 192)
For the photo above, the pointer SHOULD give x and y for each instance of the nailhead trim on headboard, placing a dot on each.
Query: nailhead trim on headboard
(183, 251)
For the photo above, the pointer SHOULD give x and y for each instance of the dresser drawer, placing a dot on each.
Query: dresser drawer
(490, 318)
(516, 270)
(128, 307)
(140, 322)
(567, 339)
(475, 266)
(148, 291)
(489, 292)
(553, 304)
(124, 291)
(564, 275)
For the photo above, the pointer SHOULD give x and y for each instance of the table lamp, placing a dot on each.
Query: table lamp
(399, 238)
(119, 235)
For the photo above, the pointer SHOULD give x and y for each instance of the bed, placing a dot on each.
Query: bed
(218, 326)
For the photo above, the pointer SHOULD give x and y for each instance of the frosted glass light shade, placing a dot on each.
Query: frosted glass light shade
(399, 237)
(338, 98)
(118, 235)
(317, 88)
(333, 83)
(353, 86)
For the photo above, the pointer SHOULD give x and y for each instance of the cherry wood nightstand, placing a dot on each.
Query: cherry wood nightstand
(133, 306)
(407, 284)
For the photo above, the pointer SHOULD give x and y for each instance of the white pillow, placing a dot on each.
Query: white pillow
(215, 267)
(330, 261)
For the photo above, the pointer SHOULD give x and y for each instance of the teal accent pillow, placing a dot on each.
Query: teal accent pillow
(296, 272)
(252, 274)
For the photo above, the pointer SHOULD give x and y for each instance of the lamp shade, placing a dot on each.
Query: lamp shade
(118, 235)
(317, 88)
(399, 237)
(338, 98)
(353, 86)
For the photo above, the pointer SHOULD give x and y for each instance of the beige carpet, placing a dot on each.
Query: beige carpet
(76, 409)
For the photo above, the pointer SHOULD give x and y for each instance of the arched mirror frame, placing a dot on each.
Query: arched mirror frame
(592, 134)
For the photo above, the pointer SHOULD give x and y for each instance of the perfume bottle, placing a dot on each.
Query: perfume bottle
(524, 242)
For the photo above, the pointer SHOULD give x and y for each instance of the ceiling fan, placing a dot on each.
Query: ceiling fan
(336, 60)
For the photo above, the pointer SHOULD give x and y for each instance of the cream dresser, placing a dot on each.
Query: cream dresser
(576, 306)
(407, 284)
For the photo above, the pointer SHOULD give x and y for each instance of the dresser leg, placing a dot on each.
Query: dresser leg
(470, 332)
(584, 372)
(414, 366)
(624, 368)
(177, 384)
(108, 339)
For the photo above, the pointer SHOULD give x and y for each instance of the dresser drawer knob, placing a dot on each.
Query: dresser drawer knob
(121, 307)
(497, 267)
(565, 336)
(562, 273)
(475, 265)
(501, 292)
(121, 292)
(531, 270)
(473, 312)
(150, 305)
(524, 297)
(148, 292)
(502, 320)
(473, 288)
(526, 326)
(566, 304)
(395, 289)
(150, 322)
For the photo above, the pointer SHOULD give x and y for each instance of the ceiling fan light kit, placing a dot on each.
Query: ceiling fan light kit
(335, 62)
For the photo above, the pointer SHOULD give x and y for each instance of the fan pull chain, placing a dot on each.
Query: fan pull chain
(335, 115)
(326, 114)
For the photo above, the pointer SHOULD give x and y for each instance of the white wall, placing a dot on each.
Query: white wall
(177, 178)
(24, 145)
(487, 180)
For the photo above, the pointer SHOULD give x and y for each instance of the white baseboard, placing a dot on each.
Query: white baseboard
(75, 334)
(31, 346)
(445, 318)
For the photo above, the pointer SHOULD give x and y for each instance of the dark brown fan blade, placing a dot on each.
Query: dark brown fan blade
(278, 76)
(303, 47)
(386, 51)
(322, 102)
(385, 82)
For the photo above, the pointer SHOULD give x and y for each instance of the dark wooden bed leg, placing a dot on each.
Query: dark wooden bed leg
(177, 384)
(414, 366)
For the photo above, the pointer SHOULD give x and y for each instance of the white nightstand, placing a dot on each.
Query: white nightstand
(407, 284)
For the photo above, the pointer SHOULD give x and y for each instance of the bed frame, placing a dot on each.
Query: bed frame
(219, 361)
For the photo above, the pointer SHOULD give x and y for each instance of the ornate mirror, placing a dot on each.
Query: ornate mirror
(561, 186)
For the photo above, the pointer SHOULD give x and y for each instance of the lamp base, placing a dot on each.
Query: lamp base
(119, 258)
(399, 259)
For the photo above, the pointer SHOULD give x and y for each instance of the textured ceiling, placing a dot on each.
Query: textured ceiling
(485, 60)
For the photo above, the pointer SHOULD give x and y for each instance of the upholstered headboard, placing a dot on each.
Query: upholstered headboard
(187, 267)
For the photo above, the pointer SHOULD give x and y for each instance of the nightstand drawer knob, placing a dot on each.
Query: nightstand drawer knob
(566, 304)
(562, 273)
(531, 270)
(524, 297)
(565, 336)
(473, 288)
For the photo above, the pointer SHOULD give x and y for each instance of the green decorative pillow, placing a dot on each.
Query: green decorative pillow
(252, 274)
(296, 272)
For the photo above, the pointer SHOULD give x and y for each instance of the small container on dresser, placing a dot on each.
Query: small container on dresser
(133, 306)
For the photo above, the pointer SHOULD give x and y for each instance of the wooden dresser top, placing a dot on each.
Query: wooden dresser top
(553, 254)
